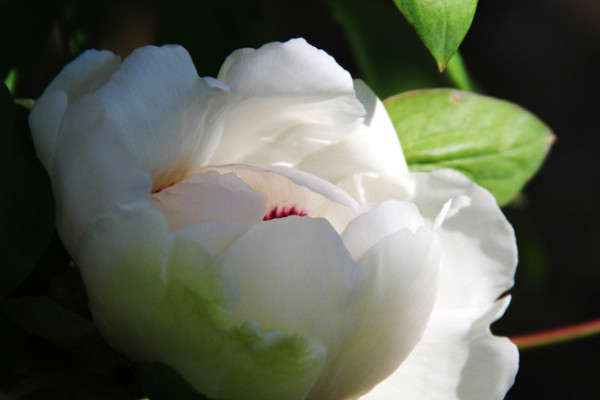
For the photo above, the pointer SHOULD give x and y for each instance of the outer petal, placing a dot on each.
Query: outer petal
(293, 67)
(477, 266)
(94, 173)
(457, 359)
(373, 147)
(86, 74)
(286, 100)
(159, 296)
(159, 104)
(480, 253)
(369, 228)
(45, 120)
(391, 313)
(296, 275)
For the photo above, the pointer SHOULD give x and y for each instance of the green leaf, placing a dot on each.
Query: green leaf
(26, 206)
(495, 143)
(457, 71)
(441, 24)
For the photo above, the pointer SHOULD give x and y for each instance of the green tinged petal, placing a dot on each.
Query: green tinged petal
(159, 296)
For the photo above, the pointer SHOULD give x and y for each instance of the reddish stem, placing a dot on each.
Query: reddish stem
(557, 335)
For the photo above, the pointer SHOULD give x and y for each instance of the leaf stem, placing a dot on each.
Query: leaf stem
(457, 72)
(557, 335)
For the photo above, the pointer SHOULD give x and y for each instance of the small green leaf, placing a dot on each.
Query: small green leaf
(441, 24)
(495, 143)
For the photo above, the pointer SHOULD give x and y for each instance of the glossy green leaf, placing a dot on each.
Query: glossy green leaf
(26, 206)
(441, 24)
(495, 143)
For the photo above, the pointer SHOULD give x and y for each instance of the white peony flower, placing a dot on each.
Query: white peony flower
(261, 233)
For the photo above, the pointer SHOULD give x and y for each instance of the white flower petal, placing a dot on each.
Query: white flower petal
(86, 74)
(373, 188)
(477, 266)
(45, 120)
(450, 209)
(480, 252)
(317, 185)
(94, 173)
(392, 313)
(457, 359)
(206, 235)
(286, 100)
(159, 103)
(373, 147)
(209, 196)
(293, 67)
(295, 276)
(369, 228)
(159, 297)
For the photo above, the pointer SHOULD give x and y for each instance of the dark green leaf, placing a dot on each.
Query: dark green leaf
(26, 207)
(497, 144)
(441, 24)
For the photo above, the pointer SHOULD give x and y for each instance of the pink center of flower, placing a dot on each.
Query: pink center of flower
(283, 212)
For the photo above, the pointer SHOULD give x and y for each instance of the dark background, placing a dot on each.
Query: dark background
(541, 54)
(544, 55)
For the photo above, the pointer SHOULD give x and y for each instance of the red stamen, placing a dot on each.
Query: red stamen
(284, 212)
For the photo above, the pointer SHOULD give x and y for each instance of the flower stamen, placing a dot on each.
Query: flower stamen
(284, 212)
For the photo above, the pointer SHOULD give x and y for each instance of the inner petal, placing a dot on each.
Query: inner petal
(285, 198)
(209, 196)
